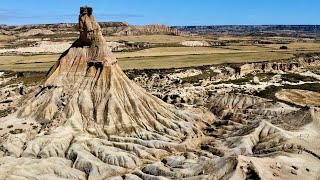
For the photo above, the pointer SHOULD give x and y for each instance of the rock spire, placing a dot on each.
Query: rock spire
(93, 121)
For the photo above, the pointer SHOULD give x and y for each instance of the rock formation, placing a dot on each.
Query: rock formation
(33, 32)
(146, 30)
(268, 67)
(107, 28)
(88, 120)
(270, 139)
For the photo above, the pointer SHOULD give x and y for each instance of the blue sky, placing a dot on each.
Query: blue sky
(169, 12)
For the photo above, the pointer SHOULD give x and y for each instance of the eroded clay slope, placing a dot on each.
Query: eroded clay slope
(94, 122)
(89, 121)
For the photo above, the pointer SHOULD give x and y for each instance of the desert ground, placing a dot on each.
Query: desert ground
(197, 105)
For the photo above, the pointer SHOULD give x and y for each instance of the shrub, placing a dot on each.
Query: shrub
(283, 47)
(295, 78)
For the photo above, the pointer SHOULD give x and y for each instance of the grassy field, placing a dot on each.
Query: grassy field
(44, 62)
(295, 46)
(198, 60)
(313, 67)
(176, 51)
(4, 39)
(168, 57)
(27, 63)
(154, 38)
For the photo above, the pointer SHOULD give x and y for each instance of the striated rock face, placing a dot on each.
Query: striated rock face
(35, 32)
(147, 30)
(107, 28)
(268, 67)
(270, 139)
(310, 60)
(87, 83)
(88, 120)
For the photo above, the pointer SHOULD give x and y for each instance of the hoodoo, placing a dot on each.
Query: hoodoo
(87, 90)
(88, 120)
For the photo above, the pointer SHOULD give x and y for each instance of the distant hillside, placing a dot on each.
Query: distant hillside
(60, 25)
(281, 30)
(108, 28)
(142, 30)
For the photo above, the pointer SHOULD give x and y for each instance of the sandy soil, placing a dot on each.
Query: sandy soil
(42, 47)
(195, 43)
(299, 97)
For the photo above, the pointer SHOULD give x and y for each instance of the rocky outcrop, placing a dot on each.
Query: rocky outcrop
(107, 28)
(147, 30)
(195, 44)
(94, 122)
(33, 32)
(87, 120)
(264, 67)
(310, 60)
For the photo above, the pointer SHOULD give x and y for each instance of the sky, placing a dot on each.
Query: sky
(168, 12)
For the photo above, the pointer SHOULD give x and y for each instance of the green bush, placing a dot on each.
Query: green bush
(283, 47)
(195, 79)
(295, 78)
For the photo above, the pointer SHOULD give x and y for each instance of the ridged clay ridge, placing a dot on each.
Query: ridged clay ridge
(93, 121)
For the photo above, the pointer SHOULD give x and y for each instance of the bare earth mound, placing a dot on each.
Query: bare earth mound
(299, 97)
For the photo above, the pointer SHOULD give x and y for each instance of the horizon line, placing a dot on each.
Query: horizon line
(168, 25)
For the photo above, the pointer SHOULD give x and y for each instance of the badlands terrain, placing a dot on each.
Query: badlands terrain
(191, 103)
